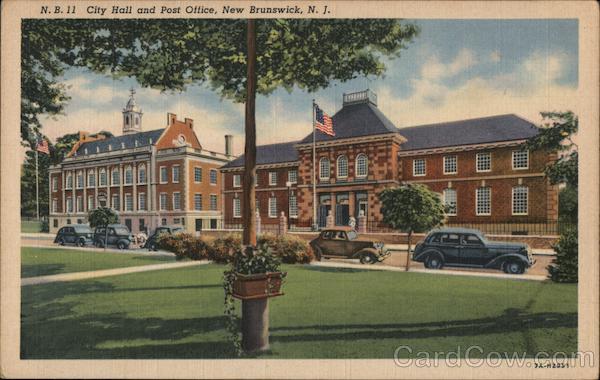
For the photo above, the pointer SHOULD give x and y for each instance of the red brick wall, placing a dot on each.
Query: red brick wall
(204, 187)
(170, 187)
(56, 194)
(175, 129)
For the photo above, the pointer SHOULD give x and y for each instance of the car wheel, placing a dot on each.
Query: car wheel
(368, 258)
(80, 243)
(61, 241)
(121, 245)
(434, 262)
(514, 267)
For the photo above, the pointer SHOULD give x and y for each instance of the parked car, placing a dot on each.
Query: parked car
(344, 242)
(151, 243)
(78, 234)
(118, 235)
(470, 248)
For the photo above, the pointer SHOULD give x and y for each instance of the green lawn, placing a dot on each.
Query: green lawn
(325, 313)
(46, 261)
(31, 226)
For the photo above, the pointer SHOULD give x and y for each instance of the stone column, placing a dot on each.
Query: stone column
(331, 213)
(330, 221)
(108, 183)
(121, 201)
(258, 222)
(96, 184)
(134, 181)
(362, 223)
(282, 224)
(85, 185)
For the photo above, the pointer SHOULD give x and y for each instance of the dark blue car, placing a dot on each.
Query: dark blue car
(78, 234)
(469, 248)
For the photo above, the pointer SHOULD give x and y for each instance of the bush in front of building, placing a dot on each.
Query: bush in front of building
(564, 265)
(184, 246)
(223, 249)
(291, 249)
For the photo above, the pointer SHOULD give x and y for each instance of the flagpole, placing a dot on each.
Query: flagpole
(314, 171)
(37, 192)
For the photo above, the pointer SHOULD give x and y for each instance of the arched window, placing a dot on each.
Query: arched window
(362, 165)
(324, 168)
(102, 179)
(115, 176)
(127, 120)
(128, 175)
(342, 167)
(142, 174)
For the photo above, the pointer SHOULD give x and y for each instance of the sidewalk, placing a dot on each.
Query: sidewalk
(106, 272)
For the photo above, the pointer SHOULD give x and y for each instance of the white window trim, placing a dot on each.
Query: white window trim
(67, 187)
(210, 202)
(271, 175)
(140, 203)
(210, 177)
(77, 208)
(173, 173)
(139, 171)
(237, 183)
(90, 198)
(272, 215)
(112, 201)
(112, 182)
(125, 182)
(237, 212)
(77, 186)
(90, 174)
(160, 180)
(476, 211)
(69, 202)
(289, 179)
(366, 166)
(126, 196)
(456, 165)
(477, 160)
(337, 167)
(201, 201)
(415, 166)
(160, 204)
(198, 167)
(173, 201)
(513, 160)
(54, 184)
(456, 201)
(100, 172)
(293, 216)
(54, 205)
(512, 200)
(321, 177)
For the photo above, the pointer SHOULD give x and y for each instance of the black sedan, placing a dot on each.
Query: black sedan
(78, 234)
(469, 248)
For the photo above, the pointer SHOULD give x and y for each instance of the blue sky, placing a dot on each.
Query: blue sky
(455, 69)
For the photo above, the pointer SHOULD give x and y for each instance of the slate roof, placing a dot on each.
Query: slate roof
(467, 132)
(355, 120)
(121, 142)
(269, 154)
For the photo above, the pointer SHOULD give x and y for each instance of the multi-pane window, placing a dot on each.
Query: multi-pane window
(324, 168)
(272, 207)
(292, 176)
(175, 174)
(293, 206)
(484, 162)
(54, 205)
(520, 200)
(483, 201)
(237, 180)
(128, 175)
(115, 176)
(91, 180)
(342, 167)
(198, 202)
(361, 165)
(197, 174)
(54, 183)
(450, 201)
(213, 176)
(142, 174)
(450, 165)
(142, 201)
(213, 202)
(419, 168)
(79, 204)
(79, 179)
(102, 179)
(176, 201)
(163, 201)
(116, 202)
(69, 181)
(237, 209)
(164, 174)
(272, 178)
(90, 204)
(128, 202)
(69, 204)
(520, 159)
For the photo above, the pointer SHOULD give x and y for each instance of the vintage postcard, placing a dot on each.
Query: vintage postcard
(299, 189)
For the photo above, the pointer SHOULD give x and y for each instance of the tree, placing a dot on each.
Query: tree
(567, 205)
(564, 265)
(411, 208)
(237, 58)
(102, 217)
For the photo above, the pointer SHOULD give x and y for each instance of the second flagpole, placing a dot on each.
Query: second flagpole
(315, 226)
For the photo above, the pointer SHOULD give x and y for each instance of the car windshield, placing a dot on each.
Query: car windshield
(121, 231)
(177, 230)
(83, 229)
(352, 235)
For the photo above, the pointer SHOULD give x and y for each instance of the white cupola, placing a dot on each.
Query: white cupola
(132, 116)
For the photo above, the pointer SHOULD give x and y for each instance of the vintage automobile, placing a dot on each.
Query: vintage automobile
(343, 242)
(470, 248)
(118, 235)
(78, 234)
(151, 243)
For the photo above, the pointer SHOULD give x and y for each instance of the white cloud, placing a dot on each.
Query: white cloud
(495, 56)
(80, 89)
(434, 69)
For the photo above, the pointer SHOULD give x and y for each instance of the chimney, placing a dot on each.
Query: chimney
(228, 145)
(171, 117)
(189, 122)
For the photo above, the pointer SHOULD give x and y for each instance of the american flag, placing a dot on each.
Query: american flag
(323, 122)
(42, 146)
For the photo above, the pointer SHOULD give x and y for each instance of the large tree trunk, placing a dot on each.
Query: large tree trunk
(408, 252)
(249, 203)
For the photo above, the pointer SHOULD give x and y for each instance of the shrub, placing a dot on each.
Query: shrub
(184, 245)
(224, 249)
(564, 266)
(291, 249)
(45, 227)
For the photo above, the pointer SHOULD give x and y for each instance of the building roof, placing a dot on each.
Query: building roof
(466, 132)
(121, 142)
(355, 120)
(269, 154)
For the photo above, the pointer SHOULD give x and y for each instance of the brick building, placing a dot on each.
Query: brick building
(156, 177)
(477, 166)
